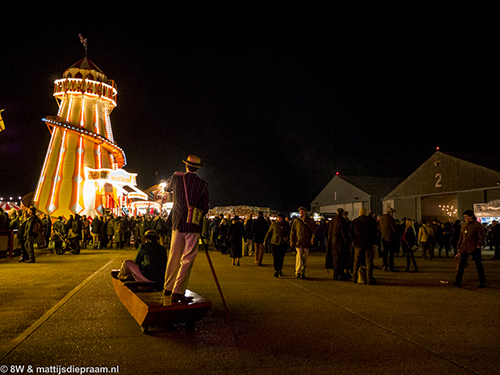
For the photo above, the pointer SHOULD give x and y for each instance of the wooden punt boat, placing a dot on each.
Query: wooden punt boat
(151, 308)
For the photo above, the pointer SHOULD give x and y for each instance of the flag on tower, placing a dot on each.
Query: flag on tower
(2, 125)
(83, 40)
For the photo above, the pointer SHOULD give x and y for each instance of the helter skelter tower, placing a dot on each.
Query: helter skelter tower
(82, 172)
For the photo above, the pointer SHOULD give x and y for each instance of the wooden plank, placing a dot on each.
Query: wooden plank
(150, 308)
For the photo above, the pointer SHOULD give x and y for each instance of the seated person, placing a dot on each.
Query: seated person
(150, 263)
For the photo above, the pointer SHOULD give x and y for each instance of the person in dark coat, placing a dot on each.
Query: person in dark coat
(409, 240)
(47, 224)
(150, 262)
(103, 236)
(20, 236)
(59, 226)
(389, 236)
(337, 255)
(138, 227)
(95, 230)
(214, 226)
(495, 239)
(470, 242)
(110, 229)
(278, 236)
(443, 239)
(455, 235)
(76, 227)
(223, 230)
(235, 240)
(364, 232)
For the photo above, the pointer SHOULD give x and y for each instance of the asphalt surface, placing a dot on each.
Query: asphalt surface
(63, 311)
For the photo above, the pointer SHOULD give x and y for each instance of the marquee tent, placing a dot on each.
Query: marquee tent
(7, 206)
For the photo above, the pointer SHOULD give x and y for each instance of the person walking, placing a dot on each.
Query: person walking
(248, 231)
(409, 241)
(190, 194)
(278, 236)
(32, 229)
(302, 237)
(426, 238)
(471, 240)
(259, 233)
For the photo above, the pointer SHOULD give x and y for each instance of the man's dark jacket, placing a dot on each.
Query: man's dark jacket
(364, 231)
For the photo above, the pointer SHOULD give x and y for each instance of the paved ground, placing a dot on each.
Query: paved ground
(63, 310)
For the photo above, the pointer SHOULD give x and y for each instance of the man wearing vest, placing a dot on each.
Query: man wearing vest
(189, 190)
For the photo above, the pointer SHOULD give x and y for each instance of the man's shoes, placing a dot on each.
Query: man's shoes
(482, 285)
(458, 285)
(281, 274)
(297, 275)
(167, 292)
(302, 276)
(31, 260)
(372, 282)
(20, 259)
(276, 274)
(394, 270)
(386, 268)
(415, 270)
(177, 297)
(407, 270)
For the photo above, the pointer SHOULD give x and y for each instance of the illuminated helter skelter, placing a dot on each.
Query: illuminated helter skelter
(82, 169)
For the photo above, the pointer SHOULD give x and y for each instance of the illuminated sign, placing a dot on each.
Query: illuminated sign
(109, 175)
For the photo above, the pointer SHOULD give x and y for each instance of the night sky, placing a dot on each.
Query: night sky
(273, 98)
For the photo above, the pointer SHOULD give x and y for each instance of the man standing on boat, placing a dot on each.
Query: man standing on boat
(190, 204)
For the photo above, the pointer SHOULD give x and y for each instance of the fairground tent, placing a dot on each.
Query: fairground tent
(7, 206)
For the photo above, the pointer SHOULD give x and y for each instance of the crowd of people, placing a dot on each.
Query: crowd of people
(350, 246)
(78, 232)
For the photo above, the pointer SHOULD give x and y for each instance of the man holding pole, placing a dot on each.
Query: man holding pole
(190, 194)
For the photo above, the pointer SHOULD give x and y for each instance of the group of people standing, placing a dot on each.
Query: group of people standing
(78, 231)
(238, 238)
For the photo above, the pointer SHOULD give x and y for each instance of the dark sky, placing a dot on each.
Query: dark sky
(274, 98)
